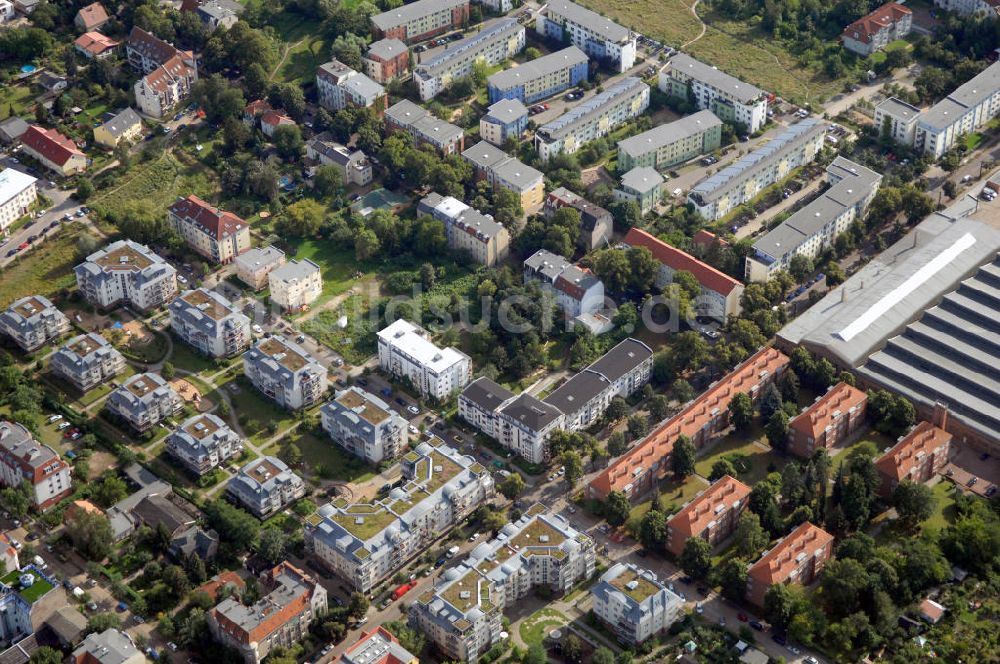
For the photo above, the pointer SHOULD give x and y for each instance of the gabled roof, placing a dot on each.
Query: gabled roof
(217, 223)
(93, 16)
(866, 27)
(904, 455)
(95, 43)
(152, 47)
(275, 118)
(695, 517)
(776, 565)
(50, 144)
(675, 259)
(121, 123)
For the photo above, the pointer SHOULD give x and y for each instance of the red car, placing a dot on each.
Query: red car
(69, 432)
(22, 246)
(742, 617)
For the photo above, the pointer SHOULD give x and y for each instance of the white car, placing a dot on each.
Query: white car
(474, 537)
(63, 425)
(413, 430)
(257, 329)
(55, 418)
(181, 279)
(413, 410)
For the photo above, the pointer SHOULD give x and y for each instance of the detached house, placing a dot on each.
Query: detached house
(95, 46)
(53, 150)
(126, 126)
(271, 120)
(878, 29)
(215, 234)
(168, 72)
(92, 17)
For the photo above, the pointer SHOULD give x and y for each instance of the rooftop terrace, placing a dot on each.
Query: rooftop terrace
(282, 354)
(123, 258)
(642, 589)
(362, 406)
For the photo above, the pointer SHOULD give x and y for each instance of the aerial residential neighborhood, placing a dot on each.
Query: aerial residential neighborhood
(499, 332)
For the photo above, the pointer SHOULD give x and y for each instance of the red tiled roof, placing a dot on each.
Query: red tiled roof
(868, 26)
(50, 144)
(275, 118)
(776, 565)
(95, 43)
(274, 617)
(706, 238)
(710, 278)
(387, 658)
(931, 610)
(154, 48)
(923, 440)
(93, 16)
(218, 223)
(256, 107)
(695, 517)
(212, 587)
(838, 399)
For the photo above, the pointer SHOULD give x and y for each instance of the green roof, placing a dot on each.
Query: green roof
(33, 592)
(644, 588)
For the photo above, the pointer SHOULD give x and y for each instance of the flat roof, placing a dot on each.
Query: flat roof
(636, 586)
(209, 303)
(642, 179)
(898, 108)
(200, 427)
(283, 353)
(411, 339)
(125, 256)
(358, 402)
(965, 97)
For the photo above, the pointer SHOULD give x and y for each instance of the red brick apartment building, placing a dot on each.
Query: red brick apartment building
(831, 419)
(916, 457)
(799, 558)
(712, 515)
(635, 472)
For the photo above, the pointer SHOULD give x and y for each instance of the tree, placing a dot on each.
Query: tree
(167, 371)
(653, 530)
(110, 490)
(46, 655)
(409, 638)
(141, 221)
(617, 409)
(637, 426)
(780, 604)
(617, 508)
(271, 545)
(776, 430)
(770, 402)
(750, 537)
(658, 408)
(696, 559)
(683, 457)
(359, 605)
(303, 218)
(512, 486)
(732, 576)
(572, 649)
(17, 500)
(800, 267)
(327, 181)
(235, 526)
(288, 142)
(617, 444)
(90, 533)
(720, 469)
(914, 502)
(573, 462)
(100, 622)
(536, 654)
(84, 190)
(682, 390)
(741, 411)
(603, 655)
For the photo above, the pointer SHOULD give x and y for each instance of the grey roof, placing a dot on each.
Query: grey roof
(720, 80)
(623, 358)
(122, 122)
(386, 49)
(261, 255)
(252, 486)
(120, 514)
(590, 213)
(511, 170)
(591, 20)
(486, 393)
(194, 540)
(408, 115)
(657, 602)
(137, 393)
(547, 264)
(30, 313)
(157, 509)
(12, 128)
(401, 15)
(898, 108)
(199, 445)
(68, 624)
(339, 154)
(742, 169)
(532, 412)
(669, 133)
(469, 47)
(363, 86)
(376, 648)
(642, 179)
(967, 96)
(155, 269)
(18, 443)
(220, 9)
(506, 111)
(295, 269)
(474, 222)
(543, 66)
(599, 376)
(109, 647)
(484, 155)
(854, 186)
(212, 317)
(289, 585)
(566, 123)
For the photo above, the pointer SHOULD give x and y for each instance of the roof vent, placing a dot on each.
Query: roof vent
(632, 585)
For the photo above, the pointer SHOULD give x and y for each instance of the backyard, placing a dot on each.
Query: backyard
(322, 457)
(749, 453)
(259, 417)
(674, 494)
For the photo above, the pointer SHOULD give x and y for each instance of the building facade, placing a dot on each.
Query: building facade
(23, 459)
(831, 419)
(713, 515)
(969, 107)
(420, 20)
(126, 272)
(125, 127)
(111, 646)
(29, 598)
(468, 229)
(729, 98)
(295, 284)
(285, 373)
(672, 143)
(386, 60)
(596, 223)
(642, 185)
(878, 29)
(210, 323)
(353, 165)
(508, 118)
(576, 290)
(217, 235)
(167, 72)
(266, 486)
(95, 46)
(426, 129)
(634, 604)
(502, 171)
(86, 361)
(540, 78)
(917, 457)
(897, 120)
(378, 646)
(798, 558)
(496, 43)
(406, 351)
(364, 425)
(33, 321)
(143, 401)
(254, 266)
(480, 403)
(53, 150)
(597, 36)
(338, 86)
(203, 442)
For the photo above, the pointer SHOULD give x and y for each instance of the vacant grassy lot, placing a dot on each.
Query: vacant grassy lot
(157, 182)
(302, 49)
(259, 417)
(18, 96)
(338, 265)
(43, 270)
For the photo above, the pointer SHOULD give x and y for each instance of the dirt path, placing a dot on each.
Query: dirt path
(334, 301)
(694, 12)
(284, 56)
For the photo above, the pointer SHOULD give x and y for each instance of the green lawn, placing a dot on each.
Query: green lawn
(183, 357)
(752, 462)
(305, 48)
(675, 495)
(44, 269)
(260, 417)
(338, 265)
(944, 511)
(973, 140)
(535, 627)
(322, 457)
(157, 182)
(20, 96)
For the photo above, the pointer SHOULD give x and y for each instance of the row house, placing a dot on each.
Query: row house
(126, 272)
(502, 171)
(832, 419)
(364, 425)
(33, 321)
(210, 323)
(597, 36)
(468, 229)
(23, 459)
(217, 235)
(265, 487)
(285, 373)
(713, 515)
(143, 401)
(672, 143)
(204, 442)
(87, 361)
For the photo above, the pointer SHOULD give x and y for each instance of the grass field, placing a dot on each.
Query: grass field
(675, 495)
(185, 358)
(157, 182)
(338, 266)
(44, 269)
(19, 96)
(744, 452)
(257, 415)
(536, 626)
(322, 457)
(304, 49)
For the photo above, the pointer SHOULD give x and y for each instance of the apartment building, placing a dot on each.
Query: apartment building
(720, 294)
(502, 171)
(290, 601)
(215, 13)
(377, 646)
(95, 46)
(480, 403)
(420, 20)
(596, 223)
(386, 60)
(633, 604)
(353, 165)
(468, 229)
(18, 192)
(740, 182)
(916, 457)
(672, 143)
(831, 419)
(168, 72)
(295, 284)
(897, 120)
(406, 351)
(713, 515)
(338, 86)
(143, 401)
(523, 425)
(203, 442)
(798, 558)
(53, 150)
(815, 227)
(217, 235)
(210, 323)
(871, 33)
(126, 272)
(508, 118)
(463, 614)
(636, 472)
(642, 185)
(254, 265)
(125, 127)
(576, 290)
(33, 321)
(365, 543)
(111, 646)
(265, 486)
(284, 372)
(364, 425)
(426, 129)
(599, 37)
(496, 43)
(968, 7)
(969, 107)
(729, 98)
(23, 459)
(540, 78)
(29, 598)
(596, 117)
(86, 361)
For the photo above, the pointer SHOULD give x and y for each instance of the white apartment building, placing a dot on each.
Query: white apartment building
(728, 97)
(203, 442)
(523, 425)
(505, 172)
(265, 486)
(969, 107)
(597, 36)
(210, 323)
(126, 272)
(295, 284)
(168, 72)
(364, 425)
(499, 41)
(717, 195)
(480, 402)
(254, 266)
(463, 614)
(576, 290)
(468, 229)
(144, 400)
(338, 86)
(634, 604)
(284, 372)
(596, 117)
(406, 351)
(23, 459)
(875, 31)
(217, 235)
(86, 361)
(898, 119)
(32, 321)
(18, 192)
(365, 543)
(815, 227)
(968, 7)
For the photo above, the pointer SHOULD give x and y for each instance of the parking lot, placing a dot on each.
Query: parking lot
(976, 471)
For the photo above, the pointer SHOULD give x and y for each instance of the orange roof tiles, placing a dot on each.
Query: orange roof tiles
(900, 460)
(212, 587)
(675, 259)
(777, 564)
(218, 223)
(868, 26)
(275, 118)
(93, 16)
(705, 238)
(817, 417)
(695, 517)
(95, 43)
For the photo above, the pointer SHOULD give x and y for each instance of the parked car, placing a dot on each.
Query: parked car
(413, 410)
(757, 625)
(55, 418)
